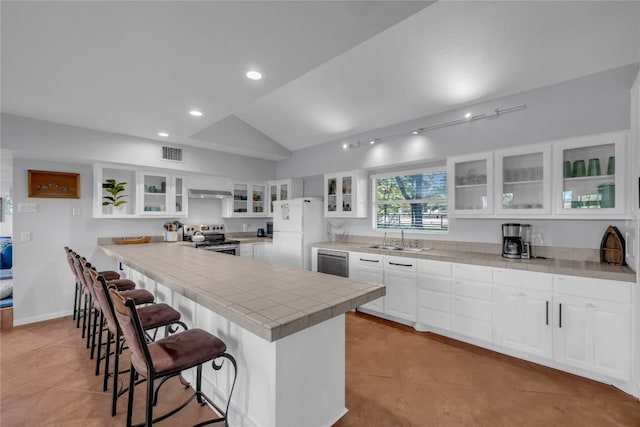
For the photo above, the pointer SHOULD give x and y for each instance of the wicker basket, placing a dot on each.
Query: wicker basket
(131, 240)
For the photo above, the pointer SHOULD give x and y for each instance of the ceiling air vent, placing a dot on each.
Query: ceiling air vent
(172, 154)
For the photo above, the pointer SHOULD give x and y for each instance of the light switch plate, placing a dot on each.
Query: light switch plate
(75, 211)
(25, 236)
(27, 207)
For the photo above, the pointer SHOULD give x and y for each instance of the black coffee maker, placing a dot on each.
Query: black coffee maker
(511, 241)
(516, 241)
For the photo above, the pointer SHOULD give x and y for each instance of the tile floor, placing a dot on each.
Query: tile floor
(395, 377)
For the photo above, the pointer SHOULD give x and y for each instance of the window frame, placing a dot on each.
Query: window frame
(374, 198)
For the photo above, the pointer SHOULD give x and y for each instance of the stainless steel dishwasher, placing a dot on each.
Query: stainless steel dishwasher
(333, 262)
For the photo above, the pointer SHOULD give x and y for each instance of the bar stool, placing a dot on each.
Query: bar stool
(168, 357)
(139, 296)
(152, 317)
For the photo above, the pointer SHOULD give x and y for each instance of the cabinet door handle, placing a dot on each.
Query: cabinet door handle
(400, 265)
(589, 305)
(369, 260)
(560, 316)
(547, 314)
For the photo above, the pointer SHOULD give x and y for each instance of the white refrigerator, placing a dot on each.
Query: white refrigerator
(297, 224)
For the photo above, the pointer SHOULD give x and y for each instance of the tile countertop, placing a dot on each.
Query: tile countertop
(556, 266)
(271, 301)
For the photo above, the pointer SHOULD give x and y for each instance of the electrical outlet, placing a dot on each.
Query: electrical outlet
(75, 211)
(25, 236)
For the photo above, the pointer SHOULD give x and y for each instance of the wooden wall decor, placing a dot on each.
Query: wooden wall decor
(56, 185)
(612, 247)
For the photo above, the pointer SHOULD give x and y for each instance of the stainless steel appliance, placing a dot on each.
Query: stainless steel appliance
(210, 238)
(511, 241)
(516, 241)
(269, 229)
(333, 262)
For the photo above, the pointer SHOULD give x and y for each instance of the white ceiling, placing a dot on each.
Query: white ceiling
(331, 69)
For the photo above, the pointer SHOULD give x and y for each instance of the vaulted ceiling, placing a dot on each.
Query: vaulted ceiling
(331, 69)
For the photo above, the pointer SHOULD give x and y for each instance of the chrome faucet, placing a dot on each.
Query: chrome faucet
(384, 241)
(402, 237)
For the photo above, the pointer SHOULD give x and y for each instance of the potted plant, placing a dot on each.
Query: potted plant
(114, 188)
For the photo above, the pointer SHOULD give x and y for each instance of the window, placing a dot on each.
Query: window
(415, 200)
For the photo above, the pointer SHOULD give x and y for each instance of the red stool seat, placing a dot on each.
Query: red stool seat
(109, 275)
(139, 296)
(122, 284)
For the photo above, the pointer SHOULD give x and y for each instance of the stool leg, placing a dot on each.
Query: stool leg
(132, 376)
(94, 332)
(75, 302)
(99, 355)
(116, 374)
(107, 356)
(150, 393)
(199, 385)
(84, 315)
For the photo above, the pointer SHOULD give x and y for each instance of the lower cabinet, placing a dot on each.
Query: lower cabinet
(434, 295)
(400, 280)
(260, 251)
(368, 268)
(472, 304)
(593, 330)
(523, 311)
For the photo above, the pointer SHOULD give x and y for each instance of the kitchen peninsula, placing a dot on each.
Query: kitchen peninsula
(285, 326)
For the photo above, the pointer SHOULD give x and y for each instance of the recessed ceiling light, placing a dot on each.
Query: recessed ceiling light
(345, 146)
(468, 115)
(195, 113)
(415, 132)
(163, 134)
(254, 75)
(373, 141)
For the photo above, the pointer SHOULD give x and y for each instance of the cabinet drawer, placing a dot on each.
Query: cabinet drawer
(471, 327)
(434, 300)
(523, 279)
(476, 273)
(366, 260)
(437, 268)
(434, 283)
(400, 264)
(480, 310)
(609, 290)
(434, 318)
(473, 289)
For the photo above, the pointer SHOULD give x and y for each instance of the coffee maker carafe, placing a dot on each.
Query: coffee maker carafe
(525, 237)
(511, 241)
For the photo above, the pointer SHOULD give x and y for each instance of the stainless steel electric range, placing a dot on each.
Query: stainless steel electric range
(210, 238)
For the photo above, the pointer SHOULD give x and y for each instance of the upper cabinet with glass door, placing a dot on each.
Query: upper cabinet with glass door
(284, 189)
(114, 192)
(470, 182)
(249, 199)
(589, 175)
(162, 194)
(523, 180)
(345, 194)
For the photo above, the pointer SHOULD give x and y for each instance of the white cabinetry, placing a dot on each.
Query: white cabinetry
(368, 268)
(248, 200)
(434, 295)
(284, 189)
(161, 194)
(589, 175)
(472, 305)
(593, 325)
(400, 281)
(470, 183)
(345, 195)
(147, 193)
(246, 250)
(262, 251)
(523, 180)
(522, 311)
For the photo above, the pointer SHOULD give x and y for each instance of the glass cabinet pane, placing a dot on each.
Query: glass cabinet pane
(284, 192)
(471, 185)
(522, 186)
(258, 198)
(331, 196)
(589, 177)
(239, 198)
(346, 193)
(273, 191)
(125, 193)
(179, 197)
(155, 191)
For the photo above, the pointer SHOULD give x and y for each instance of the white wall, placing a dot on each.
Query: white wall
(31, 138)
(6, 180)
(591, 104)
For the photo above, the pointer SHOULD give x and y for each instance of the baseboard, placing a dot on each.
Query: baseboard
(42, 317)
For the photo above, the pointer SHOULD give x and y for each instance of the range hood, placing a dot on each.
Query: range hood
(208, 194)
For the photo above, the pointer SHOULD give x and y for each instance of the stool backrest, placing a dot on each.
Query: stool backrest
(103, 298)
(131, 327)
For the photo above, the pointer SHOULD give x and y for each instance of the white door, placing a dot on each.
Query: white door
(287, 216)
(287, 249)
